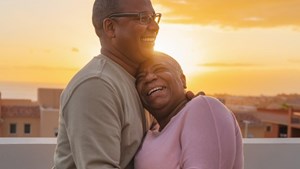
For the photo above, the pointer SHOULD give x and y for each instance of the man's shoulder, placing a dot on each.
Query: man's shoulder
(100, 73)
(98, 67)
(93, 70)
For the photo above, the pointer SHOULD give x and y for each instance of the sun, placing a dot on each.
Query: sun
(177, 43)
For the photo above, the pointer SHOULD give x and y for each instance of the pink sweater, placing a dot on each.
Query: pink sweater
(203, 135)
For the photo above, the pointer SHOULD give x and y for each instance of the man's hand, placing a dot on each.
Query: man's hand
(190, 95)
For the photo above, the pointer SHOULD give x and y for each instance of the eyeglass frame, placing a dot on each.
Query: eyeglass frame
(139, 15)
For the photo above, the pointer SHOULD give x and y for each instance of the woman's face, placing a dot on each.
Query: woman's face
(160, 84)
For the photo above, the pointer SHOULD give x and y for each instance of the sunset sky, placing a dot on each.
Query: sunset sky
(237, 47)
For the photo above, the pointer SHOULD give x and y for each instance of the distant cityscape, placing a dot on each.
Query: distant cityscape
(265, 116)
(257, 116)
(27, 118)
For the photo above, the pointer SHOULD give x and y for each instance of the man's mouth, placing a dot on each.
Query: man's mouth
(155, 90)
(148, 39)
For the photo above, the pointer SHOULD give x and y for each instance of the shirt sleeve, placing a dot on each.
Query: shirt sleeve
(93, 122)
(239, 160)
(208, 138)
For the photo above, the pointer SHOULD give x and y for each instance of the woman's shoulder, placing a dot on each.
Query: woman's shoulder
(205, 100)
(207, 104)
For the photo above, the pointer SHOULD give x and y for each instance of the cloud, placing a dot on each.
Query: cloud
(76, 50)
(38, 68)
(294, 60)
(47, 50)
(247, 81)
(228, 65)
(234, 13)
(47, 68)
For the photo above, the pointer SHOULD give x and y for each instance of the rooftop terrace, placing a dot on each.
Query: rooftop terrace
(37, 153)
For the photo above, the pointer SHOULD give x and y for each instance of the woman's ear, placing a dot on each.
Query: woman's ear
(109, 27)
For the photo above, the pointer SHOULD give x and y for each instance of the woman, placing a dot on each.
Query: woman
(201, 133)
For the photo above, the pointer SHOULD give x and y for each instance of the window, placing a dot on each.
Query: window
(27, 128)
(13, 128)
(55, 132)
(268, 128)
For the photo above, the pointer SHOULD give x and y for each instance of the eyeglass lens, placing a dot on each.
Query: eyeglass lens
(147, 18)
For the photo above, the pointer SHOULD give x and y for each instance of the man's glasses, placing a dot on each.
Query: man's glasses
(145, 18)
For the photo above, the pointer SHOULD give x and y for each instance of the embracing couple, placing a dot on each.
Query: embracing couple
(128, 107)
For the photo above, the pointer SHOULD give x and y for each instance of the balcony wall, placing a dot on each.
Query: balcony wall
(272, 153)
(26, 153)
(37, 153)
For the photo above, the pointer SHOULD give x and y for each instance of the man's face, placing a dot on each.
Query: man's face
(160, 85)
(133, 39)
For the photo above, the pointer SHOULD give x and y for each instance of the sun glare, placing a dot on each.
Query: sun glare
(176, 42)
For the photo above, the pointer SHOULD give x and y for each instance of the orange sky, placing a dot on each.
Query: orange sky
(236, 47)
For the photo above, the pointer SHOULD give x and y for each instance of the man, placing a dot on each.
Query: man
(102, 120)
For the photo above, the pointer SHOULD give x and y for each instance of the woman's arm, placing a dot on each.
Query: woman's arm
(209, 137)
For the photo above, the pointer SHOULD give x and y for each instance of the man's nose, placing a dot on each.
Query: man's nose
(153, 26)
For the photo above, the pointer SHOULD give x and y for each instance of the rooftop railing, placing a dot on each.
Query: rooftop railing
(262, 153)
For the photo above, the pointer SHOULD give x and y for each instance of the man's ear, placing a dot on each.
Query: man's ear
(183, 80)
(109, 27)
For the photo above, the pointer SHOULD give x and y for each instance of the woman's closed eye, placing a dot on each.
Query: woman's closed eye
(139, 77)
(160, 69)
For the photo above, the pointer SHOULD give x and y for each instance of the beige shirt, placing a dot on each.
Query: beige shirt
(102, 120)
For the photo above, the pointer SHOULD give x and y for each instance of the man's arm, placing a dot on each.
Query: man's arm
(93, 125)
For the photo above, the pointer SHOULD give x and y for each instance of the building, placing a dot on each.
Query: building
(25, 118)
(250, 125)
(280, 122)
(267, 123)
(266, 116)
